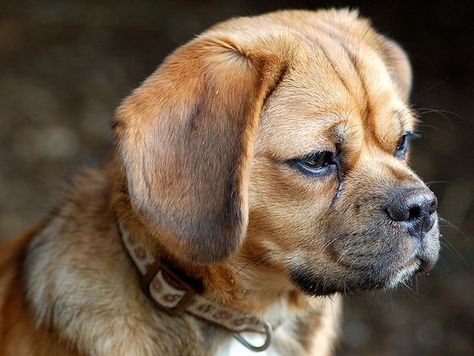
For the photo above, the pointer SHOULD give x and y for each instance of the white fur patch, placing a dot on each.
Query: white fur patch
(234, 348)
(284, 341)
(403, 274)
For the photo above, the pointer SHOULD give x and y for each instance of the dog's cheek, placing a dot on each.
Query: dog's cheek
(287, 212)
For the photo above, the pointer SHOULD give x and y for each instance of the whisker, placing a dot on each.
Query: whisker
(453, 226)
(453, 249)
(436, 182)
(429, 126)
(424, 91)
(442, 259)
(442, 112)
(410, 289)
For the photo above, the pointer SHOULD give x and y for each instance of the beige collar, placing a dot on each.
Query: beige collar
(175, 295)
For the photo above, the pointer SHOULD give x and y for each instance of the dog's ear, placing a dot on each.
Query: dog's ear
(185, 137)
(398, 66)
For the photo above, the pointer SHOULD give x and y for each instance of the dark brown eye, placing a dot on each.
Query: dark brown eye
(404, 143)
(318, 160)
(402, 147)
(316, 164)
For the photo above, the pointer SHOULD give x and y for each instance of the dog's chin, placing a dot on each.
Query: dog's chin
(352, 282)
(403, 274)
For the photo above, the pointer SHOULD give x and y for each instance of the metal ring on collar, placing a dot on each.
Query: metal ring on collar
(266, 344)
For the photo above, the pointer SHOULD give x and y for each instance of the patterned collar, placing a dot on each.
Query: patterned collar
(176, 295)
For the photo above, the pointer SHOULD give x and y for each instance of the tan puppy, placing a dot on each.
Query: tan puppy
(264, 164)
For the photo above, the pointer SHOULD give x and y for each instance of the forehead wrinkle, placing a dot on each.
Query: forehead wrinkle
(350, 49)
(300, 138)
(351, 67)
(405, 117)
(345, 76)
(349, 138)
(363, 99)
(360, 95)
(378, 101)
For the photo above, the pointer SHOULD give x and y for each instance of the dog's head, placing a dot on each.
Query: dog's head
(288, 132)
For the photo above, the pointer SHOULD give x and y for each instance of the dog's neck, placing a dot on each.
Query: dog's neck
(246, 281)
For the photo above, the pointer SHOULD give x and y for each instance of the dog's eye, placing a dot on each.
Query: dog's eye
(403, 144)
(317, 164)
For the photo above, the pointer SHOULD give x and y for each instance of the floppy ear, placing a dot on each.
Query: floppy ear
(185, 138)
(398, 66)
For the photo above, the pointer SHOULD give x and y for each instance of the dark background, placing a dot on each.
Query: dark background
(64, 67)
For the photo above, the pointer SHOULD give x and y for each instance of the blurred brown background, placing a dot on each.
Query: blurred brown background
(64, 67)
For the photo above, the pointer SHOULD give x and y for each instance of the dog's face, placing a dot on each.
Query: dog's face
(332, 196)
(288, 132)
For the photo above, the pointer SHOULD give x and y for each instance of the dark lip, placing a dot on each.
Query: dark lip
(310, 285)
(369, 268)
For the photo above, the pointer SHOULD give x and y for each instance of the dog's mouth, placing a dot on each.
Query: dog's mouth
(364, 262)
(357, 280)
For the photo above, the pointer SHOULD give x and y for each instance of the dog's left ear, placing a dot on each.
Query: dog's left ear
(398, 66)
(186, 137)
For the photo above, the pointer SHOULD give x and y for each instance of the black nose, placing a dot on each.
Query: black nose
(414, 208)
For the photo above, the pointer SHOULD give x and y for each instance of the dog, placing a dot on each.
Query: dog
(259, 174)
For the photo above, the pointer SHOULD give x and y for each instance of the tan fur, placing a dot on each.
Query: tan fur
(202, 178)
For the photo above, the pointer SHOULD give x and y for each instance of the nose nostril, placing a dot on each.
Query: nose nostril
(396, 213)
(414, 213)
